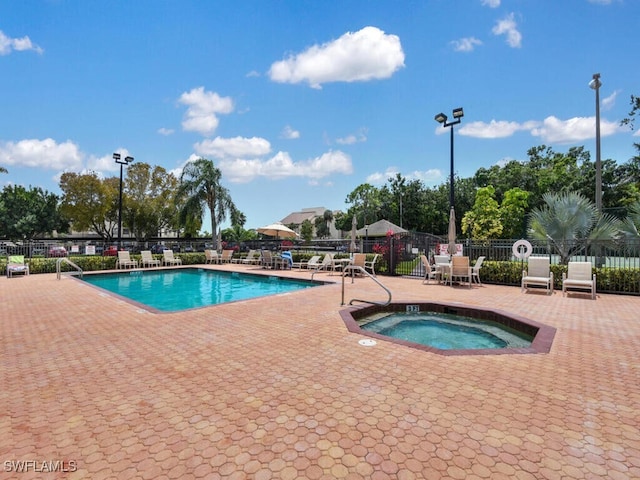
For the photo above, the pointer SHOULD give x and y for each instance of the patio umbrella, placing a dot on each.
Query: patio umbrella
(354, 227)
(219, 240)
(452, 232)
(277, 230)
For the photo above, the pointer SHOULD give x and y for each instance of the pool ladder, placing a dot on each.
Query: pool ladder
(357, 268)
(66, 260)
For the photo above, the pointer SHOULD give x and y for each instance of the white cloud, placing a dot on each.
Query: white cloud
(289, 133)
(637, 134)
(430, 176)
(282, 166)
(491, 3)
(364, 55)
(467, 44)
(508, 26)
(359, 137)
(106, 163)
(572, 130)
(166, 131)
(601, 2)
(42, 154)
(203, 108)
(233, 147)
(8, 44)
(493, 129)
(610, 101)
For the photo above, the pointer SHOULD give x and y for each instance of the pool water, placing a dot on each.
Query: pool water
(446, 331)
(181, 289)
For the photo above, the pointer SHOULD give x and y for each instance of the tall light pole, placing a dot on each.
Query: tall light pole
(595, 84)
(441, 118)
(122, 163)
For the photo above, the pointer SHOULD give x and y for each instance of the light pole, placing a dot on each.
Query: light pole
(126, 161)
(595, 84)
(441, 118)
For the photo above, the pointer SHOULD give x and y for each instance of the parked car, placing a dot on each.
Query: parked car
(112, 251)
(57, 251)
(158, 248)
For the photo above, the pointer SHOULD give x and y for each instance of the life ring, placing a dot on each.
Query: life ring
(527, 249)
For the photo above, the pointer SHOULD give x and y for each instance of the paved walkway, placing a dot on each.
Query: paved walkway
(278, 388)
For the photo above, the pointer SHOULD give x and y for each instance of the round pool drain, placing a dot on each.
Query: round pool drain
(367, 342)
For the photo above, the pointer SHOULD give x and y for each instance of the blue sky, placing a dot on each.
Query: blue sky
(298, 102)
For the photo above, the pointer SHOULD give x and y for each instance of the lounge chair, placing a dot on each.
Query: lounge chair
(460, 269)
(125, 261)
(475, 271)
(252, 258)
(371, 264)
(16, 264)
(147, 259)
(430, 270)
(211, 256)
(286, 260)
(227, 256)
(538, 273)
(326, 263)
(305, 263)
(169, 259)
(579, 276)
(358, 260)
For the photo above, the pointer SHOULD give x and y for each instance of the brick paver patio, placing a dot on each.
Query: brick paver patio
(278, 388)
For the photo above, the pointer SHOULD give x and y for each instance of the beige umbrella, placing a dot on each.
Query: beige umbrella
(452, 232)
(277, 230)
(219, 240)
(354, 227)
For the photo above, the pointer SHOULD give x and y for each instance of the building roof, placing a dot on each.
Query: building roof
(379, 229)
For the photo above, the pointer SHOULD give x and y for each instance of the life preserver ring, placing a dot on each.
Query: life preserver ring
(528, 249)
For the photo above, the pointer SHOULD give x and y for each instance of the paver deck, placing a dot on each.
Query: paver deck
(278, 388)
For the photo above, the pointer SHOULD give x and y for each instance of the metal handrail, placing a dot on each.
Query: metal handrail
(358, 268)
(66, 260)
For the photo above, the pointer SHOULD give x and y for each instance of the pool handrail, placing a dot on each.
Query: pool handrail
(357, 268)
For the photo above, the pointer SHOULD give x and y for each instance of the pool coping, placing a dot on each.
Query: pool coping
(542, 341)
(156, 311)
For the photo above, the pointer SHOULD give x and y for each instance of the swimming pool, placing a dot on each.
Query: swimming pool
(186, 288)
(449, 329)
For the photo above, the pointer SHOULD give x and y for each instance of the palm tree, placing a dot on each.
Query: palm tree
(571, 222)
(200, 188)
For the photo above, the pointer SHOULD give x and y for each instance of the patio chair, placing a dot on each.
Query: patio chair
(371, 264)
(430, 270)
(475, 271)
(579, 276)
(305, 263)
(169, 259)
(460, 269)
(147, 259)
(125, 261)
(252, 258)
(358, 260)
(211, 256)
(16, 264)
(227, 256)
(538, 273)
(326, 264)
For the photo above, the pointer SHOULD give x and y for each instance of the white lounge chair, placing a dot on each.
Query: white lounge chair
(579, 276)
(125, 261)
(475, 270)
(227, 256)
(147, 259)
(326, 263)
(252, 258)
(211, 256)
(169, 259)
(16, 264)
(538, 273)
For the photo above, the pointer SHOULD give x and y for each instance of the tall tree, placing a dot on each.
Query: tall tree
(90, 203)
(200, 188)
(27, 214)
(483, 220)
(513, 213)
(150, 205)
